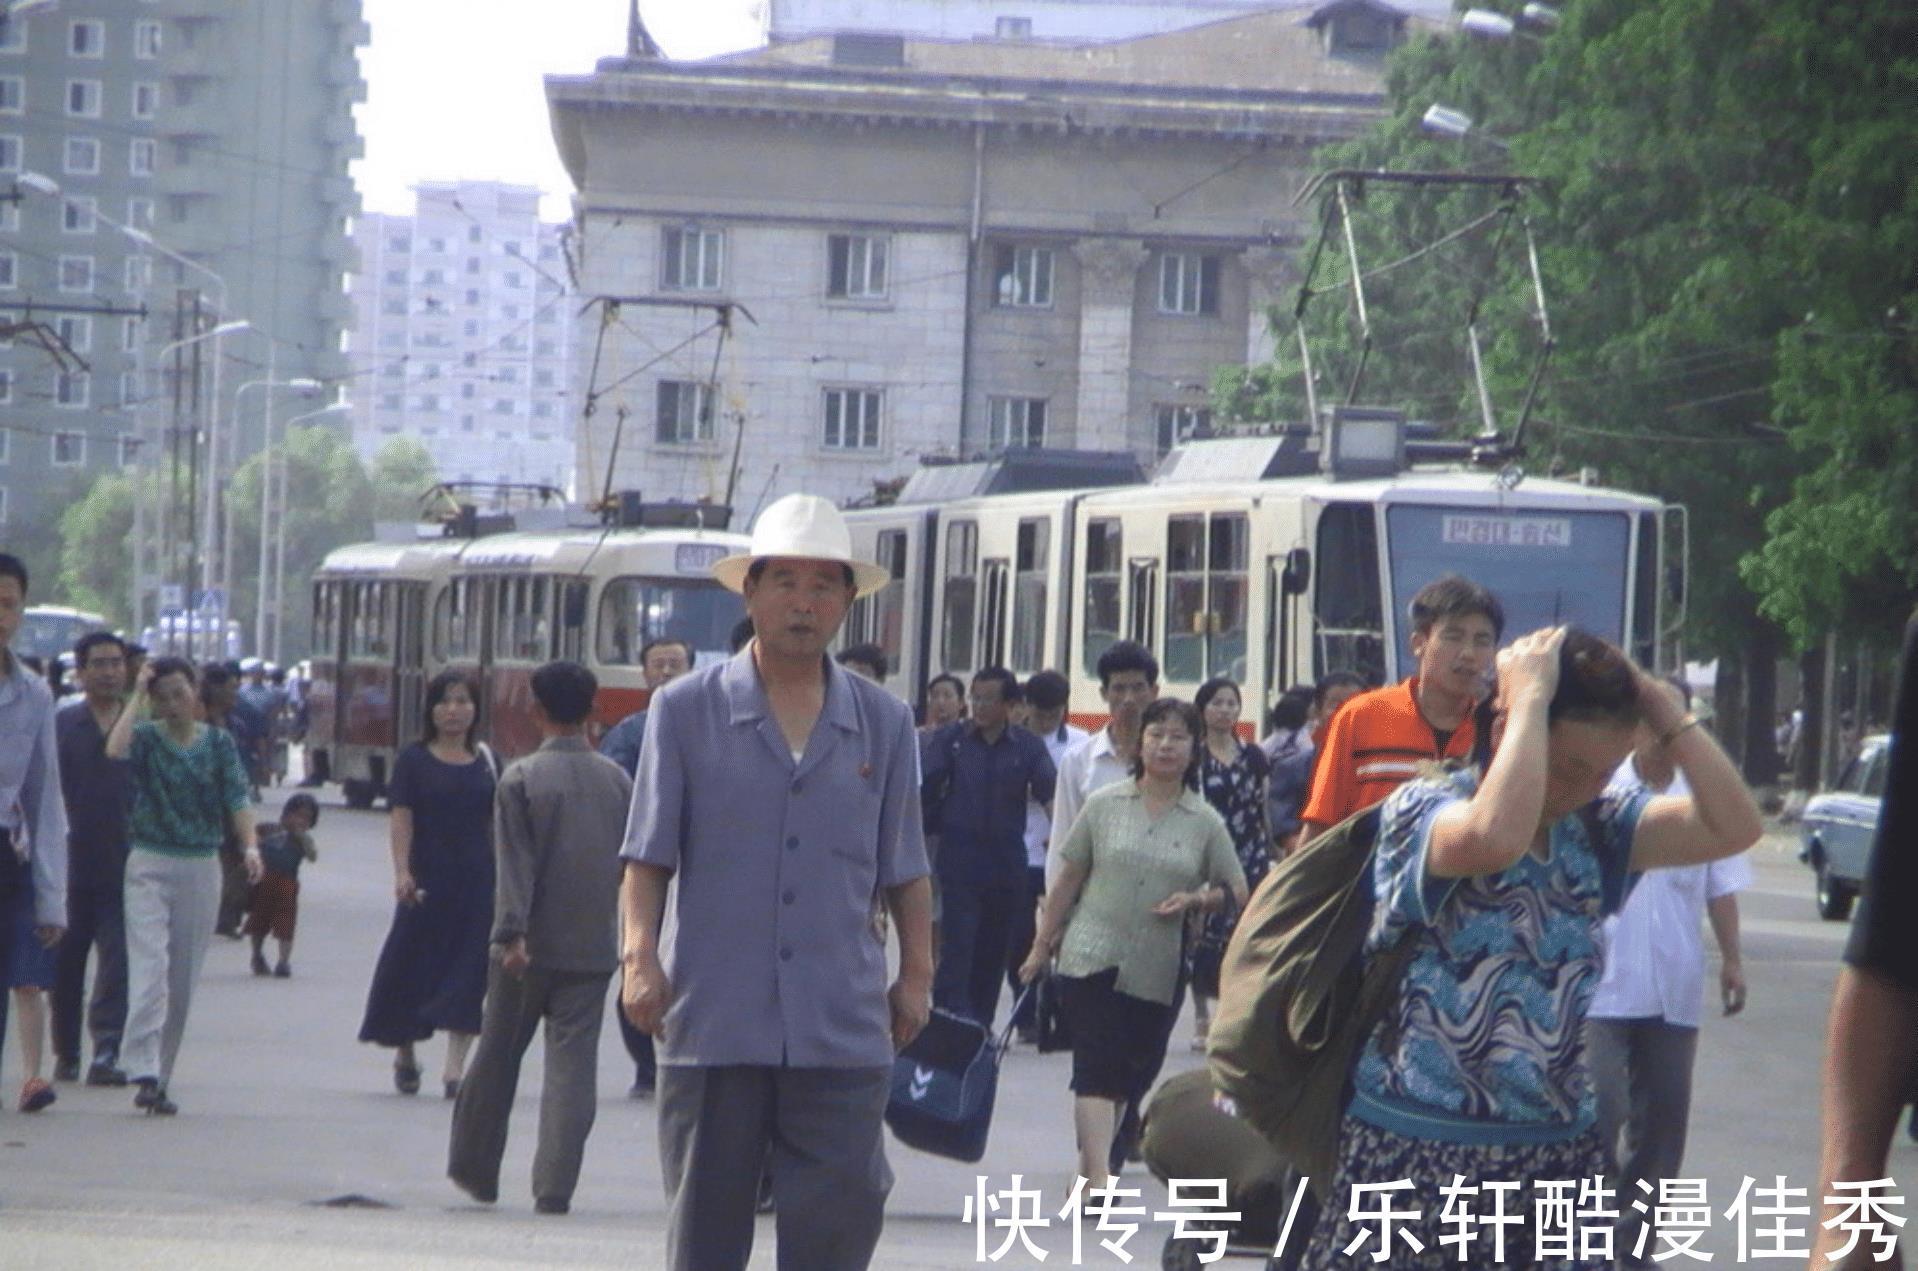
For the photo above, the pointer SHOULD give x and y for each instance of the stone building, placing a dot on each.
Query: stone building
(461, 319)
(944, 246)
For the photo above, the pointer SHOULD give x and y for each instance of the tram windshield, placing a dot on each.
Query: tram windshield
(48, 631)
(1546, 566)
(634, 611)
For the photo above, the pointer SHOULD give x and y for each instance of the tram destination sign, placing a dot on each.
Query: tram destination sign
(698, 558)
(1545, 532)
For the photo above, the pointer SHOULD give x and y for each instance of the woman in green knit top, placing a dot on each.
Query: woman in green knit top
(189, 789)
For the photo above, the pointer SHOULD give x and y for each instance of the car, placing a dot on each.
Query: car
(1839, 825)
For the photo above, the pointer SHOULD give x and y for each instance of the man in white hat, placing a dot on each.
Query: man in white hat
(779, 793)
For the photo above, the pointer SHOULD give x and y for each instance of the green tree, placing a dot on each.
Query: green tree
(401, 472)
(96, 551)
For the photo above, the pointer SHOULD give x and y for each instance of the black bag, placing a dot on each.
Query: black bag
(944, 1084)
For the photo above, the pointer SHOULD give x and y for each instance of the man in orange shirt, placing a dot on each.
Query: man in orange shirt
(1378, 739)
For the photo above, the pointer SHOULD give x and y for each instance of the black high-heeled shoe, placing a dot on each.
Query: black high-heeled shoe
(406, 1077)
(151, 1098)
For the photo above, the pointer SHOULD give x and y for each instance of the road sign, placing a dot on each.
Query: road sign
(172, 596)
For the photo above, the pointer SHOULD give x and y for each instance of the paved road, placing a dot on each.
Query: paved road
(282, 1111)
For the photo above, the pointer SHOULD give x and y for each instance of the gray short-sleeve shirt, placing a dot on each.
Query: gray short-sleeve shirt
(768, 938)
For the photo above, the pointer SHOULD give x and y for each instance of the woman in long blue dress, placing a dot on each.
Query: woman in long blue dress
(431, 974)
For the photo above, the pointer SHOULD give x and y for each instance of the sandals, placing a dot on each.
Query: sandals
(35, 1095)
(406, 1076)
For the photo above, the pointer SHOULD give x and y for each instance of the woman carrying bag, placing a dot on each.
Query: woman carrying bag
(1142, 855)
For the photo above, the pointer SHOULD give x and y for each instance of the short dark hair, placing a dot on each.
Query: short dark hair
(742, 634)
(436, 690)
(1008, 682)
(1187, 715)
(1454, 596)
(1290, 712)
(565, 690)
(1212, 688)
(947, 677)
(12, 566)
(165, 666)
(1596, 682)
(867, 654)
(758, 567)
(650, 645)
(301, 802)
(216, 675)
(1127, 655)
(1048, 691)
(1337, 679)
(92, 640)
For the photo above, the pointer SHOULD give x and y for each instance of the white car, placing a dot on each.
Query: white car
(1839, 825)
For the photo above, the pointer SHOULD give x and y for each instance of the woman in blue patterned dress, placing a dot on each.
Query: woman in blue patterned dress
(1233, 776)
(431, 974)
(1501, 886)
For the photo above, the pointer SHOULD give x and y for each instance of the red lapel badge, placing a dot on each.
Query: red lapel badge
(865, 772)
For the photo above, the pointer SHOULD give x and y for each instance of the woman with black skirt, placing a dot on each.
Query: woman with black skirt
(1234, 776)
(432, 970)
(1142, 855)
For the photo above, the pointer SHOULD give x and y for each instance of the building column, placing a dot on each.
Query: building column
(1271, 283)
(1108, 286)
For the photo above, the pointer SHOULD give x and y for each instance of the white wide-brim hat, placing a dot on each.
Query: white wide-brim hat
(801, 527)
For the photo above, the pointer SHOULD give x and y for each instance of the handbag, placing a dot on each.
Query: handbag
(944, 1085)
(1053, 1024)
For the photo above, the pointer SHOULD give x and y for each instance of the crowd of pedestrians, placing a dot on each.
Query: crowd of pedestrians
(1554, 828)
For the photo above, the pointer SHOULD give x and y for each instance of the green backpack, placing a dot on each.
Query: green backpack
(1297, 997)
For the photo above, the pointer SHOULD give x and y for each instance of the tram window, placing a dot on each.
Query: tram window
(506, 602)
(1645, 593)
(1029, 595)
(453, 621)
(962, 594)
(370, 621)
(633, 611)
(1105, 559)
(572, 621)
(1346, 600)
(880, 618)
(326, 619)
(1228, 557)
(1185, 608)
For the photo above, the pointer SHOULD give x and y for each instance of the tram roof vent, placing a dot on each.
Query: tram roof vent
(1228, 460)
(1021, 471)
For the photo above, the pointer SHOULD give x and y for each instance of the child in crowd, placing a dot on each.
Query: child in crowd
(275, 905)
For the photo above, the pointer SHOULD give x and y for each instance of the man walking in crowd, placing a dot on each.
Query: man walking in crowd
(777, 794)
(1046, 695)
(1128, 682)
(868, 660)
(98, 793)
(558, 821)
(979, 775)
(660, 663)
(1871, 1052)
(33, 821)
(1642, 1028)
(1378, 740)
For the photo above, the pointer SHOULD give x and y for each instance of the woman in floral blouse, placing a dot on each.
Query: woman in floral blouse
(1233, 776)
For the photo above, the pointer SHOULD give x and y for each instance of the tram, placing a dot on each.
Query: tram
(1257, 559)
(390, 616)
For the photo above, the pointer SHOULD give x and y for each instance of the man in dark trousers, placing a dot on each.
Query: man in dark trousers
(558, 821)
(98, 791)
(979, 775)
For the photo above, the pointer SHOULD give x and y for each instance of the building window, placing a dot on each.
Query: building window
(146, 100)
(1177, 423)
(10, 158)
(1012, 28)
(82, 156)
(542, 410)
(75, 331)
(429, 401)
(3, 489)
(514, 278)
(140, 213)
(503, 406)
(83, 98)
(1022, 278)
(1014, 422)
(391, 401)
(852, 419)
(691, 258)
(856, 267)
(472, 264)
(395, 308)
(399, 243)
(1188, 283)
(13, 37)
(69, 449)
(9, 270)
(684, 413)
(146, 40)
(474, 233)
(76, 273)
(129, 334)
(140, 154)
(70, 389)
(79, 214)
(86, 39)
(6, 395)
(543, 378)
(13, 95)
(129, 450)
(139, 273)
(129, 388)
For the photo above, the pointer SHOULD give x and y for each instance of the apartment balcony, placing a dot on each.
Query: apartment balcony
(202, 117)
(186, 180)
(207, 59)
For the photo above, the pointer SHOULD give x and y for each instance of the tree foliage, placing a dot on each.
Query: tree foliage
(96, 551)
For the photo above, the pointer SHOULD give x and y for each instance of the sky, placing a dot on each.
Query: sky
(453, 87)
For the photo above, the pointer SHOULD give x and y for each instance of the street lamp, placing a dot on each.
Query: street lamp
(1443, 121)
(299, 383)
(193, 540)
(279, 525)
(1534, 20)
